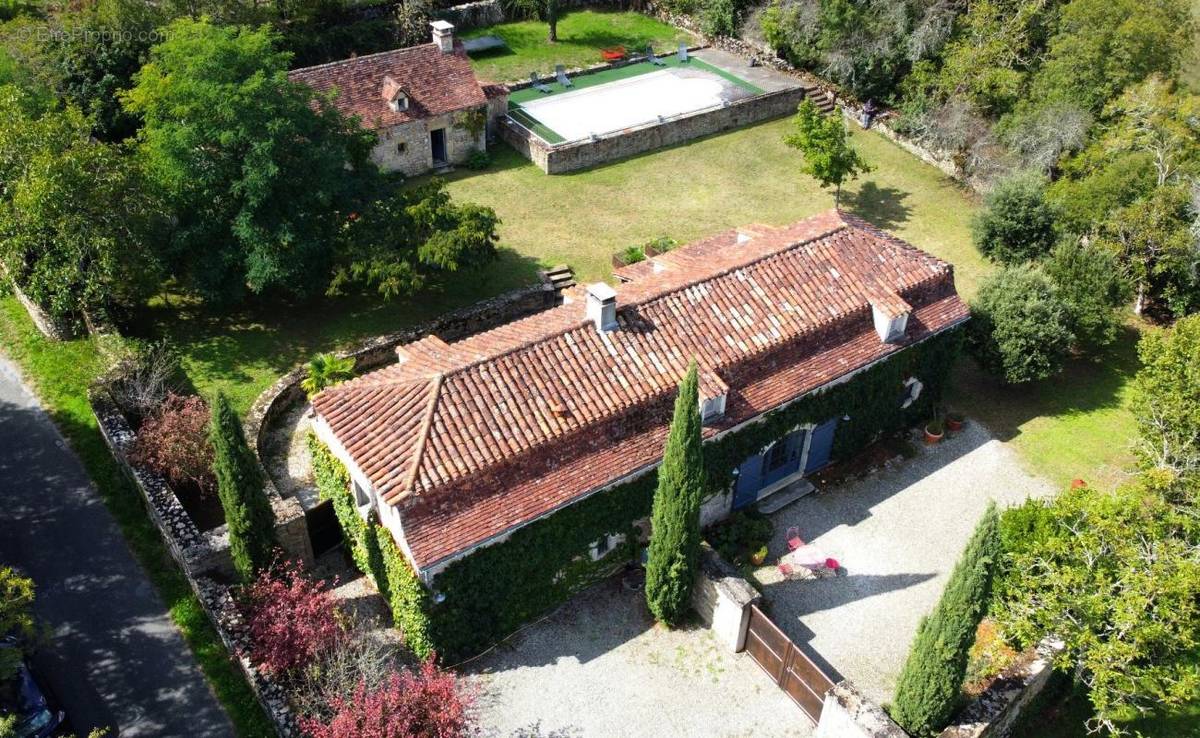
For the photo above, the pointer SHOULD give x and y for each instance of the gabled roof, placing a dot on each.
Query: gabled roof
(450, 416)
(435, 83)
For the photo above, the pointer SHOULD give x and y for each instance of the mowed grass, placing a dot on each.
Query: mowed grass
(60, 374)
(581, 36)
(690, 191)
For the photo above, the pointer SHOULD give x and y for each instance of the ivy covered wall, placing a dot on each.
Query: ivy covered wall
(497, 589)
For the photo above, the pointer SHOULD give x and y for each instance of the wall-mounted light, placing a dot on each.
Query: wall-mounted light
(439, 597)
(845, 417)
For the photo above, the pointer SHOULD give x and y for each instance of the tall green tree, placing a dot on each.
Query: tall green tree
(259, 172)
(828, 155)
(1020, 328)
(1116, 578)
(1100, 47)
(1091, 284)
(240, 488)
(1166, 400)
(16, 617)
(675, 517)
(1017, 224)
(930, 683)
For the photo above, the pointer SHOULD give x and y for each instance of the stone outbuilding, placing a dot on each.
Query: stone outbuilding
(424, 102)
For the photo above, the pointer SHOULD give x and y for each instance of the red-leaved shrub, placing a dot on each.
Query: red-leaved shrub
(427, 702)
(291, 620)
(174, 442)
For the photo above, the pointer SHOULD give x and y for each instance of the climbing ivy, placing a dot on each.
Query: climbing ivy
(497, 589)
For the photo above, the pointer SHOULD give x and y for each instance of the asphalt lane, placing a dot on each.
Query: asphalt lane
(115, 658)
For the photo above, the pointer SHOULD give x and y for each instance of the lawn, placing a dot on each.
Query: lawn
(581, 36)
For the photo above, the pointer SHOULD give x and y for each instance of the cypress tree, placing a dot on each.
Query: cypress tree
(240, 488)
(675, 518)
(930, 684)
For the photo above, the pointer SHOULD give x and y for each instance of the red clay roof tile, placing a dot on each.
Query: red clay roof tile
(492, 431)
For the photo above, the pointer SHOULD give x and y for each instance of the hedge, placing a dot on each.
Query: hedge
(499, 588)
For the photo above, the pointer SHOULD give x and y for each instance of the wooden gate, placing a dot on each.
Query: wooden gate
(794, 672)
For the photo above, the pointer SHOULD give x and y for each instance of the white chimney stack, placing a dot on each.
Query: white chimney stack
(443, 35)
(602, 306)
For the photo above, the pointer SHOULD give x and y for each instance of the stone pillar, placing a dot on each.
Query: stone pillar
(849, 714)
(291, 529)
(723, 598)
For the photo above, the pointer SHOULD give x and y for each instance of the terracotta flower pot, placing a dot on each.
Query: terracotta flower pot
(931, 437)
(1078, 484)
(953, 424)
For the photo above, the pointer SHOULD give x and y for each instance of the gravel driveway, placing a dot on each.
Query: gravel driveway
(600, 667)
(897, 534)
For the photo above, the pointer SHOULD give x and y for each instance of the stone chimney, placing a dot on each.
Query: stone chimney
(443, 35)
(602, 306)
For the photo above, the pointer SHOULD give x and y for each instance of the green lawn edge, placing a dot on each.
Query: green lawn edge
(60, 374)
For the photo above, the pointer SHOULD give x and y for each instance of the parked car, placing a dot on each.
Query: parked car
(24, 697)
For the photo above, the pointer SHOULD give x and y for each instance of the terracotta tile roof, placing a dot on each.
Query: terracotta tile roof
(434, 82)
(474, 437)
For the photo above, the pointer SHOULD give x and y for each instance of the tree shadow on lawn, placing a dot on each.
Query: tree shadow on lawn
(274, 334)
(882, 206)
(1084, 386)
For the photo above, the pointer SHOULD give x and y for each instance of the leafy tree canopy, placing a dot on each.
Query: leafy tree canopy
(254, 166)
(828, 155)
(1018, 224)
(1019, 329)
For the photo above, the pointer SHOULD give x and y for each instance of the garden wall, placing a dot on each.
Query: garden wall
(849, 714)
(994, 713)
(204, 558)
(569, 157)
(46, 325)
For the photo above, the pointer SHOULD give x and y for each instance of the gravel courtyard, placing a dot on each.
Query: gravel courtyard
(897, 534)
(599, 667)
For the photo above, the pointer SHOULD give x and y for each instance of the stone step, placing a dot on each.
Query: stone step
(785, 496)
(560, 277)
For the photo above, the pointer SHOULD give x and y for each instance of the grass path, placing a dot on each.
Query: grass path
(60, 374)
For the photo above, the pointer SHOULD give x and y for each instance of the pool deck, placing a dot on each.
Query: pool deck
(765, 78)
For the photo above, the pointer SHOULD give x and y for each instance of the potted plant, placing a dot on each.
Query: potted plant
(934, 431)
(759, 556)
(954, 422)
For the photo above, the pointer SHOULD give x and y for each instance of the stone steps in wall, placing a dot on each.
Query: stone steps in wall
(560, 277)
(823, 103)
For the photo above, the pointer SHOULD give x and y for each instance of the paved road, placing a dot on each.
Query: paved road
(116, 659)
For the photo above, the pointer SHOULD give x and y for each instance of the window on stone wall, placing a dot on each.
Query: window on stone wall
(401, 147)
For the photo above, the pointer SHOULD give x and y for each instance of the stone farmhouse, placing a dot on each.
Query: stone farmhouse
(811, 340)
(424, 102)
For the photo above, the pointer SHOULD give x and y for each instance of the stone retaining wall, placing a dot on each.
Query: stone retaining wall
(848, 713)
(46, 325)
(203, 557)
(569, 157)
(994, 713)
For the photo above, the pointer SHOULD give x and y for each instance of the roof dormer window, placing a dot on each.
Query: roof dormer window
(394, 95)
(713, 392)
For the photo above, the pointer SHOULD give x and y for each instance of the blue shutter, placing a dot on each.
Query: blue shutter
(749, 482)
(821, 446)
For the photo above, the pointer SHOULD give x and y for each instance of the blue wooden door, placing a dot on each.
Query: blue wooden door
(821, 446)
(783, 459)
